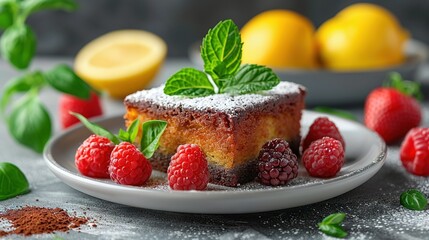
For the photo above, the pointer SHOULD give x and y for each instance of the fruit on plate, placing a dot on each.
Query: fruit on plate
(279, 39)
(415, 151)
(121, 62)
(392, 111)
(106, 154)
(324, 157)
(277, 164)
(361, 36)
(128, 166)
(87, 107)
(188, 169)
(92, 158)
(322, 127)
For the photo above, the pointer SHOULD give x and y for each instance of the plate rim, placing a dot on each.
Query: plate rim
(380, 159)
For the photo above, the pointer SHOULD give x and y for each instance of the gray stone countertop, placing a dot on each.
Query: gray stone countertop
(373, 209)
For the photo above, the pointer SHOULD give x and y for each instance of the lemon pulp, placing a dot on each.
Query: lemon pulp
(121, 62)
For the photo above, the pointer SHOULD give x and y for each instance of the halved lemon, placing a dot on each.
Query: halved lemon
(121, 62)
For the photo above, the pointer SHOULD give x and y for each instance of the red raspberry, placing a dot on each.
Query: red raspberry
(322, 127)
(128, 166)
(415, 151)
(93, 156)
(88, 108)
(188, 169)
(324, 157)
(277, 164)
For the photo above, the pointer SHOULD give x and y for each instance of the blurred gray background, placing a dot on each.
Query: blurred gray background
(183, 22)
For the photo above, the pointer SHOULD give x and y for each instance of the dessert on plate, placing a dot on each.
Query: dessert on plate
(229, 110)
(230, 129)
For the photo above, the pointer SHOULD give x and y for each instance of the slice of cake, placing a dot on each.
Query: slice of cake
(230, 129)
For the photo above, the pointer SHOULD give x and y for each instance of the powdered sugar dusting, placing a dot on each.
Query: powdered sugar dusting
(227, 103)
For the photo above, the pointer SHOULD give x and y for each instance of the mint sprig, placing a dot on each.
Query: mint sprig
(413, 199)
(331, 225)
(221, 52)
(151, 133)
(13, 181)
(31, 126)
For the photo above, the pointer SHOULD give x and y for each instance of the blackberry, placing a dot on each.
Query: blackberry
(277, 164)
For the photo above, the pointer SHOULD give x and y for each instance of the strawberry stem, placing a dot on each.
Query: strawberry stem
(407, 87)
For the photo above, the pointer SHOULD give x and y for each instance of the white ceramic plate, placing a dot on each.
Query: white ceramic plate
(337, 88)
(365, 155)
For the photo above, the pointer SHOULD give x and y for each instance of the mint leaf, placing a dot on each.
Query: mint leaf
(330, 225)
(333, 230)
(221, 50)
(96, 129)
(8, 10)
(151, 133)
(18, 45)
(336, 112)
(123, 135)
(131, 133)
(335, 218)
(65, 80)
(20, 84)
(29, 122)
(413, 199)
(251, 78)
(133, 130)
(30, 6)
(13, 181)
(189, 82)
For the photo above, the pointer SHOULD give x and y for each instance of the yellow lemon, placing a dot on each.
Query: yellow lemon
(279, 39)
(361, 36)
(121, 62)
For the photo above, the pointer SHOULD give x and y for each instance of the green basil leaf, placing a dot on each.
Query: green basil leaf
(13, 181)
(251, 78)
(333, 230)
(29, 122)
(65, 80)
(96, 129)
(413, 199)
(335, 218)
(20, 84)
(133, 130)
(189, 82)
(336, 112)
(221, 50)
(151, 133)
(8, 10)
(18, 45)
(30, 6)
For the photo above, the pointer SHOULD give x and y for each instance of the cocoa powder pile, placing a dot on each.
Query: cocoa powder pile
(37, 220)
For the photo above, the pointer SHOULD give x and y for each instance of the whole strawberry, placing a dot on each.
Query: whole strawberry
(93, 156)
(415, 151)
(128, 165)
(88, 108)
(188, 169)
(392, 111)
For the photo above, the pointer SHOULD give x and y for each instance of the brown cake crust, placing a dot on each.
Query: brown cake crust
(231, 137)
